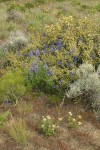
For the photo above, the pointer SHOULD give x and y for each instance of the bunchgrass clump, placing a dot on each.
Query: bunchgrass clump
(3, 117)
(17, 129)
(12, 86)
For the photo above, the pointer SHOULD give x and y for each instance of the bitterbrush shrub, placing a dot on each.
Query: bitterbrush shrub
(87, 86)
(64, 46)
(12, 86)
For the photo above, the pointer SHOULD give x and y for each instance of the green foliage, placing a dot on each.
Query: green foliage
(47, 127)
(16, 7)
(12, 86)
(38, 79)
(3, 118)
(54, 99)
(18, 130)
(72, 122)
(98, 7)
(29, 5)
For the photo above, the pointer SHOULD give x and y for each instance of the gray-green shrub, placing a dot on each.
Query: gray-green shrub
(87, 86)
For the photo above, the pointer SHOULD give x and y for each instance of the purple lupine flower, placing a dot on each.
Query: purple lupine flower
(49, 73)
(24, 54)
(37, 52)
(75, 59)
(59, 62)
(7, 102)
(44, 34)
(52, 49)
(60, 80)
(19, 53)
(45, 66)
(34, 67)
(70, 73)
(31, 53)
(58, 44)
(73, 50)
(92, 56)
(45, 45)
(54, 86)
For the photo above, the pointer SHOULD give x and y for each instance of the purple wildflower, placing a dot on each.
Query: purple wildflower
(75, 59)
(18, 53)
(52, 49)
(34, 67)
(44, 34)
(59, 44)
(45, 66)
(37, 52)
(61, 81)
(49, 73)
(59, 63)
(92, 56)
(54, 86)
(7, 102)
(31, 53)
(70, 73)
(73, 50)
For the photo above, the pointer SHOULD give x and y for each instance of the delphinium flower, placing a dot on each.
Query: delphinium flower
(70, 73)
(52, 49)
(49, 73)
(31, 53)
(7, 102)
(46, 66)
(59, 62)
(92, 56)
(37, 52)
(73, 50)
(58, 44)
(60, 80)
(18, 53)
(34, 67)
(44, 34)
(54, 86)
(75, 59)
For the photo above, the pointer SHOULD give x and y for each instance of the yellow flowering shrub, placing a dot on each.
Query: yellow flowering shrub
(63, 46)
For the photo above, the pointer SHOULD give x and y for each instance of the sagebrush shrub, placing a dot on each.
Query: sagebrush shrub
(87, 86)
(17, 40)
